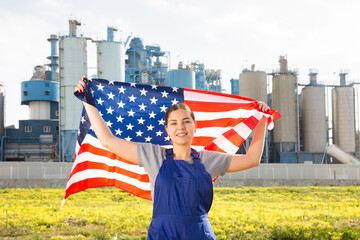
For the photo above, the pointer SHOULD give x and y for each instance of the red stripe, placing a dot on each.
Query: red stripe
(111, 169)
(104, 182)
(251, 122)
(87, 147)
(213, 147)
(202, 141)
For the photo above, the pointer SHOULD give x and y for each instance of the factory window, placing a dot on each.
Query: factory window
(28, 129)
(25, 93)
(47, 92)
(47, 128)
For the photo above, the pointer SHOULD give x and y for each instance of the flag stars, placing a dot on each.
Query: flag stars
(128, 138)
(161, 122)
(100, 101)
(167, 138)
(109, 110)
(101, 113)
(141, 121)
(147, 139)
(153, 100)
(82, 120)
(154, 87)
(109, 124)
(122, 89)
(142, 107)
(111, 96)
(139, 133)
(174, 101)
(118, 131)
(100, 87)
(119, 118)
(111, 82)
(132, 84)
(164, 94)
(152, 114)
(131, 113)
(121, 104)
(150, 128)
(132, 98)
(174, 89)
(163, 108)
(159, 133)
(129, 126)
(143, 92)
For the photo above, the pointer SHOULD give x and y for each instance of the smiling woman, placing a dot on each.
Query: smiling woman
(180, 177)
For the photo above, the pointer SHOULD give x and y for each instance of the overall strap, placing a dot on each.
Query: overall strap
(195, 155)
(169, 154)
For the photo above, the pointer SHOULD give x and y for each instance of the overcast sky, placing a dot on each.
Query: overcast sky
(228, 35)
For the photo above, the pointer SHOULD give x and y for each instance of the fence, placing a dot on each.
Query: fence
(32, 174)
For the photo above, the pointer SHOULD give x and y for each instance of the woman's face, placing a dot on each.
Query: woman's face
(181, 127)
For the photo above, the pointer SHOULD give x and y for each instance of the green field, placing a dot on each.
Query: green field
(237, 213)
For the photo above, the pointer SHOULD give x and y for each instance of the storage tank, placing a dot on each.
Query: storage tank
(252, 84)
(38, 93)
(284, 100)
(73, 64)
(2, 109)
(343, 110)
(111, 58)
(183, 78)
(314, 117)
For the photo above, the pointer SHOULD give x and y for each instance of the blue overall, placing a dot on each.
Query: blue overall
(182, 198)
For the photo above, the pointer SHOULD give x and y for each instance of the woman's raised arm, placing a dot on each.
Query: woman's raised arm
(122, 148)
(252, 158)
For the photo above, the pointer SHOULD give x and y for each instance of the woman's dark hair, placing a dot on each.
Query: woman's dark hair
(177, 107)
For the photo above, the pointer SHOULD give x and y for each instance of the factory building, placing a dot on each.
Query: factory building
(72, 64)
(35, 139)
(302, 135)
(145, 64)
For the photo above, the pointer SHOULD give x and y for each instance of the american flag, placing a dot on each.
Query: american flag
(136, 112)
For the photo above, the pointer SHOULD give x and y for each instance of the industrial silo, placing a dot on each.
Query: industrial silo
(314, 116)
(111, 58)
(343, 115)
(73, 64)
(284, 100)
(39, 93)
(252, 84)
(182, 77)
(2, 110)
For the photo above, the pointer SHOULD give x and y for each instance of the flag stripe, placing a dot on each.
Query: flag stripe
(97, 173)
(105, 182)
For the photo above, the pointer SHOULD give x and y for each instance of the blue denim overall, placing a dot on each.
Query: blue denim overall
(182, 198)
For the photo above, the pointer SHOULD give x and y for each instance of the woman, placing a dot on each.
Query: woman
(180, 178)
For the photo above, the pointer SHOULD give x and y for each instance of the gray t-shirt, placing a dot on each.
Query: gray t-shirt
(152, 156)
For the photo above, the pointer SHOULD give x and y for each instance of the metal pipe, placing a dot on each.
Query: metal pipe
(2, 147)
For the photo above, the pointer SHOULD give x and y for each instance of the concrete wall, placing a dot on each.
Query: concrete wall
(37, 174)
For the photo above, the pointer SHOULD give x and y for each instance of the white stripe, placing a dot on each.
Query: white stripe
(210, 131)
(226, 145)
(243, 130)
(208, 97)
(87, 156)
(238, 113)
(93, 173)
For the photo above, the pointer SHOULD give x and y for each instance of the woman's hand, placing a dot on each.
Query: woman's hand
(263, 107)
(81, 85)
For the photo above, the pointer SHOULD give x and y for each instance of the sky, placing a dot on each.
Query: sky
(229, 35)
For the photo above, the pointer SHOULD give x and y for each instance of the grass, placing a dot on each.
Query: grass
(237, 213)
